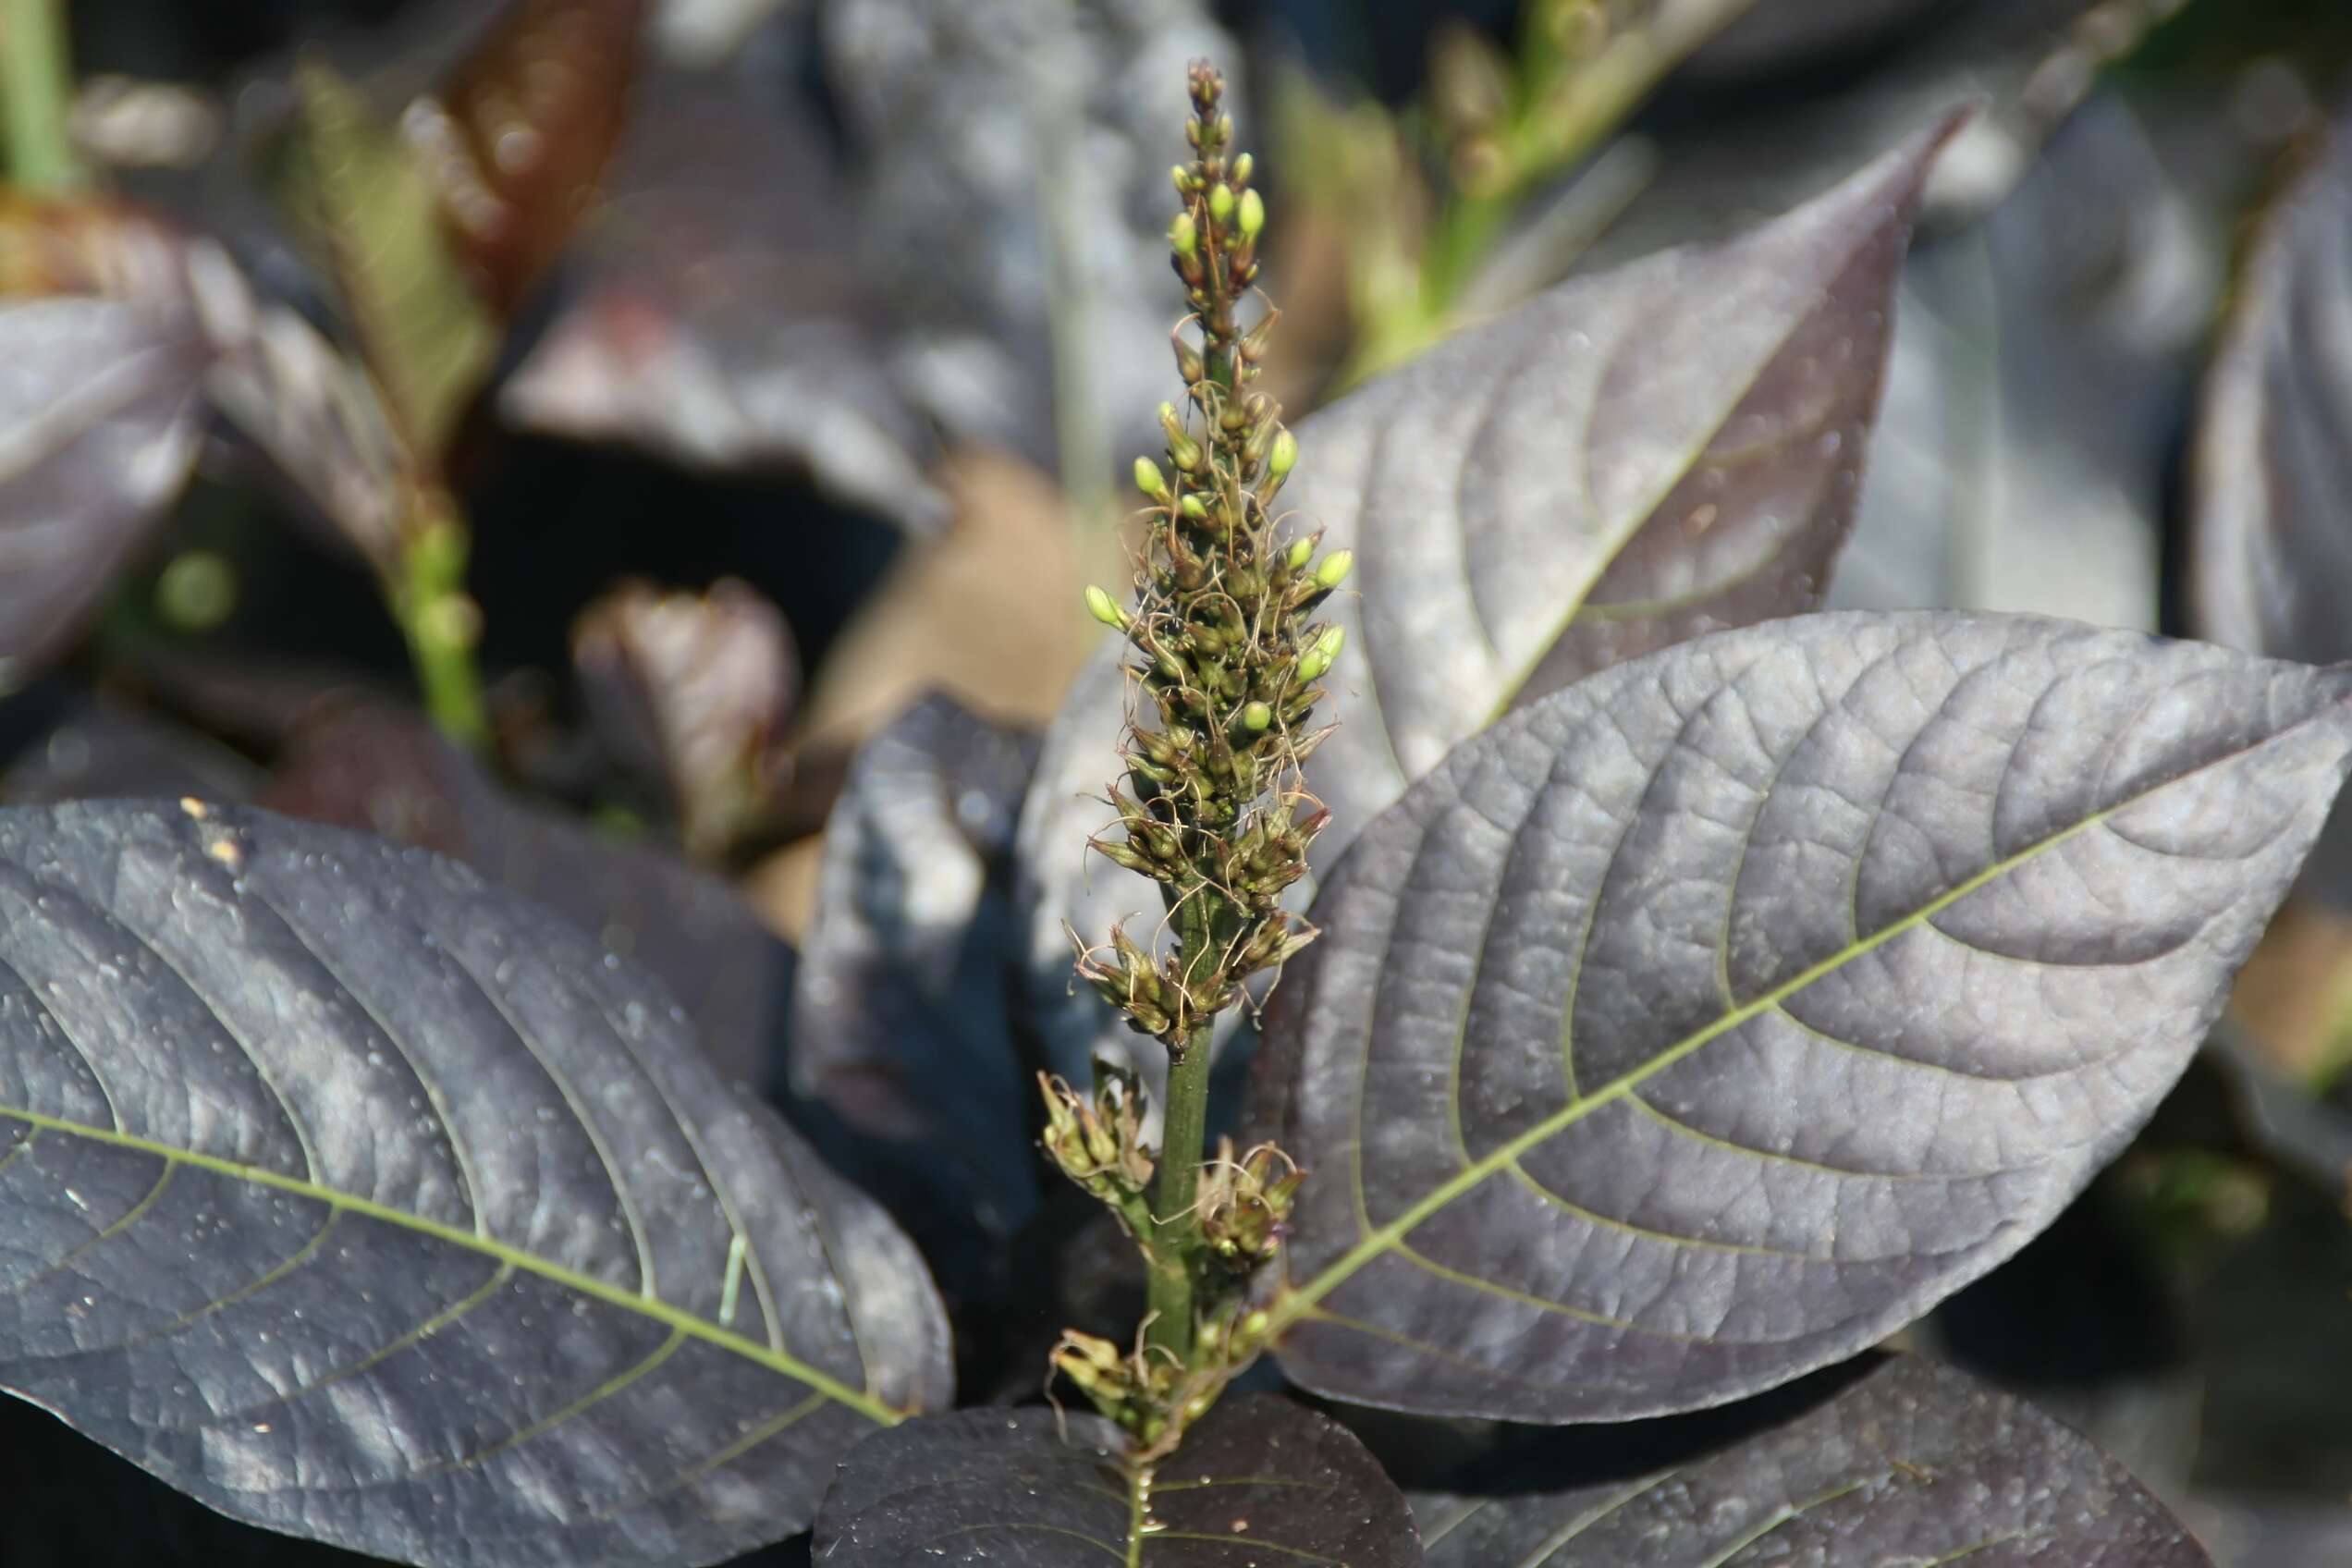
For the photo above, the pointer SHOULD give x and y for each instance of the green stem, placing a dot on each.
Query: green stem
(442, 625)
(36, 83)
(1176, 1226)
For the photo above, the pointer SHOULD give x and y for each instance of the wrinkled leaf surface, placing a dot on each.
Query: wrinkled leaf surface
(1626, 461)
(1258, 1480)
(1707, 1022)
(368, 1201)
(1912, 1464)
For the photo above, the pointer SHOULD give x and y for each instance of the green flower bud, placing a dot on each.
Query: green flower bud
(1183, 236)
(1313, 663)
(1148, 479)
(1302, 552)
(1256, 717)
(1220, 202)
(1253, 213)
(1335, 568)
(1284, 456)
(1242, 168)
(1182, 180)
(1099, 606)
(1194, 507)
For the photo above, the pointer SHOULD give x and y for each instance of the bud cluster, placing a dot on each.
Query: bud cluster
(1150, 1393)
(1099, 1143)
(1244, 1202)
(1227, 655)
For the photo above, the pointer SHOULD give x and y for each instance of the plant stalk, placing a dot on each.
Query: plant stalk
(1175, 1198)
(442, 624)
(36, 85)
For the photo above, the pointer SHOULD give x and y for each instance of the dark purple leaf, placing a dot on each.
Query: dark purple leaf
(2272, 474)
(366, 1201)
(387, 770)
(1258, 1480)
(1707, 1022)
(1911, 1463)
(77, 747)
(721, 319)
(102, 357)
(692, 691)
(1628, 461)
(900, 1024)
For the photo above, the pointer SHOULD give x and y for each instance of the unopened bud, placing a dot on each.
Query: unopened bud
(1149, 480)
(1253, 213)
(1302, 552)
(1099, 606)
(1194, 507)
(1182, 177)
(1256, 717)
(1242, 168)
(1335, 568)
(1183, 236)
(1283, 455)
(1220, 202)
(1319, 658)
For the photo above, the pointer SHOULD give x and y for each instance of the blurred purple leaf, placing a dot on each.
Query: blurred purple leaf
(102, 357)
(691, 692)
(721, 319)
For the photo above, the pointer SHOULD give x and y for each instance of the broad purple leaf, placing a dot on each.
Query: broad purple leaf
(1258, 1480)
(1912, 1463)
(1707, 1022)
(365, 1200)
(389, 771)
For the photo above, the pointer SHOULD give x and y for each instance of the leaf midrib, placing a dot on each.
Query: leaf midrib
(659, 1311)
(1295, 1301)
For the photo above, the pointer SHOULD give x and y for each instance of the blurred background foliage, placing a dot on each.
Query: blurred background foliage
(610, 440)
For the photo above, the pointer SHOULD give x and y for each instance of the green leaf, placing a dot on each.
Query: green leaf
(364, 1201)
(1710, 1020)
(368, 199)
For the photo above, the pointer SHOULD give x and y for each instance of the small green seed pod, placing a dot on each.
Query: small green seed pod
(1316, 660)
(1220, 202)
(1253, 213)
(1335, 569)
(1183, 236)
(1282, 456)
(1194, 507)
(1149, 480)
(1243, 166)
(1302, 552)
(1182, 177)
(1255, 716)
(1100, 605)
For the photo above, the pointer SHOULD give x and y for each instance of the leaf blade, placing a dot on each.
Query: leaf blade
(1908, 1463)
(1509, 1030)
(1256, 1474)
(537, 1265)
